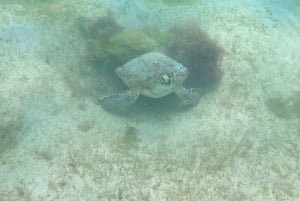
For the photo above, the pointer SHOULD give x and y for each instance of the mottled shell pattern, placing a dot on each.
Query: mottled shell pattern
(153, 74)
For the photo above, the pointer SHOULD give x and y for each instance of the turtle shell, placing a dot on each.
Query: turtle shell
(153, 74)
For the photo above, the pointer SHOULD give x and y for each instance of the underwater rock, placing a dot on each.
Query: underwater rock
(109, 45)
(120, 48)
(129, 44)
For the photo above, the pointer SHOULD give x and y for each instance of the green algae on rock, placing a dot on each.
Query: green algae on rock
(109, 45)
(121, 47)
(101, 28)
(129, 44)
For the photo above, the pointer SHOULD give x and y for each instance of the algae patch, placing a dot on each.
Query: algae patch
(122, 47)
(109, 45)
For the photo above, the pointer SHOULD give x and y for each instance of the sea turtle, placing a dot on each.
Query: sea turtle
(153, 75)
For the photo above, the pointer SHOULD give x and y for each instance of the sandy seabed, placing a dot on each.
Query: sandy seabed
(241, 142)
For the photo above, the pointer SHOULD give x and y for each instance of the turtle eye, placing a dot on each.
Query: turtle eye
(180, 67)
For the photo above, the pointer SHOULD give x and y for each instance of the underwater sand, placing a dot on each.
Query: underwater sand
(241, 142)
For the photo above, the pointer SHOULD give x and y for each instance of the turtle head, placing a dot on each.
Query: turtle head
(178, 74)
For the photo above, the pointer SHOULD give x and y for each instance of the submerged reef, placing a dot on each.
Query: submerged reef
(125, 46)
(109, 45)
(101, 28)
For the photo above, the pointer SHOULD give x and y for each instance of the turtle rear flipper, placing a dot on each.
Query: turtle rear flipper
(190, 96)
(119, 102)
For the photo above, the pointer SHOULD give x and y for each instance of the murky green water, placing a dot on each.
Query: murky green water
(240, 142)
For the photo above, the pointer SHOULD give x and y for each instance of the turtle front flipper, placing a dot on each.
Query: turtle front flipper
(189, 96)
(119, 102)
